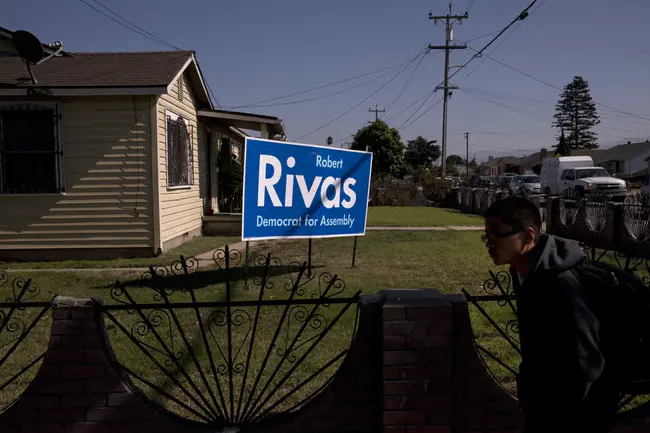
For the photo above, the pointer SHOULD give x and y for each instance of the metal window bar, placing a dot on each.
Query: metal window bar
(180, 158)
(9, 149)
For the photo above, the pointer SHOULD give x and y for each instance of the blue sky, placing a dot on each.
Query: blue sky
(252, 50)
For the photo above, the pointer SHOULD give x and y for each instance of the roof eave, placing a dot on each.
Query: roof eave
(198, 83)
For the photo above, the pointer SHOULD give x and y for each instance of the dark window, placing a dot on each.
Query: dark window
(179, 153)
(29, 150)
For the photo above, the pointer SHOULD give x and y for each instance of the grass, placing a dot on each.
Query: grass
(446, 261)
(191, 248)
(419, 217)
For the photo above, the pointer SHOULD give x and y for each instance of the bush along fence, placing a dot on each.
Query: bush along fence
(282, 349)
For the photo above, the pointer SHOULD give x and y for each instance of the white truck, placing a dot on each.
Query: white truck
(579, 173)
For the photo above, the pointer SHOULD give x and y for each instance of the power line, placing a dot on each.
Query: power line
(407, 83)
(315, 98)
(141, 31)
(359, 103)
(422, 114)
(409, 106)
(470, 6)
(135, 28)
(253, 104)
(546, 121)
(495, 48)
(546, 83)
(418, 109)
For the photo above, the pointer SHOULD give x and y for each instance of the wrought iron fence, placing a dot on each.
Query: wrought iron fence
(494, 313)
(24, 328)
(264, 349)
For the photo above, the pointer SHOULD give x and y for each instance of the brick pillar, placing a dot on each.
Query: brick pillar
(76, 389)
(417, 367)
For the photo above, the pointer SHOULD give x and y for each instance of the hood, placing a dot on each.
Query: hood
(556, 254)
(602, 180)
(532, 184)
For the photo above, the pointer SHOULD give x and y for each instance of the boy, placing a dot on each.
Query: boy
(563, 378)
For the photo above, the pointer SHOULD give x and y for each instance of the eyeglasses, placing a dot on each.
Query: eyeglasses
(493, 237)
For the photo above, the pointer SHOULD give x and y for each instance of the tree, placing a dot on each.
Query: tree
(473, 164)
(386, 146)
(576, 113)
(455, 160)
(563, 148)
(421, 153)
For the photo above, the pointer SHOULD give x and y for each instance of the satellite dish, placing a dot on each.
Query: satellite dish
(28, 46)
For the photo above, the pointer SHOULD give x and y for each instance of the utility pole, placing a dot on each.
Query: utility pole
(376, 111)
(467, 153)
(449, 19)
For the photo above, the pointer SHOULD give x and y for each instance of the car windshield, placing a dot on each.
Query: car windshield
(592, 172)
(530, 179)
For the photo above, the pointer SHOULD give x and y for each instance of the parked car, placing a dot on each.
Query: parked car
(528, 182)
(645, 186)
(505, 179)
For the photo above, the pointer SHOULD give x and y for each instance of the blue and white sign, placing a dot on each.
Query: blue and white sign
(296, 190)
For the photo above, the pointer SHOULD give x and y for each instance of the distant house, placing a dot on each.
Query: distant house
(499, 166)
(109, 154)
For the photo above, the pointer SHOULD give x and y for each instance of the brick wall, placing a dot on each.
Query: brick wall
(413, 368)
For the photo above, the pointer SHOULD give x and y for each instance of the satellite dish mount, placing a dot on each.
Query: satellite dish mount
(30, 50)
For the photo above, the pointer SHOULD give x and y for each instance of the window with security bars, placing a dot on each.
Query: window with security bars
(29, 149)
(179, 153)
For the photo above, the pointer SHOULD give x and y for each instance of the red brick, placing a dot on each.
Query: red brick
(404, 417)
(61, 387)
(87, 342)
(94, 356)
(395, 372)
(142, 427)
(394, 343)
(440, 403)
(42, 402)
(61, 314)
(73, 327)
(61, 415)
(123, 399)
(88, 427)
(109, 384)
(84, 372)
(393, 312)
(41, 428)
(83, 400)
(400, 358)
(402, 328)
(394, 429)
(49, 371)
(428, 429)
(428, 372)
(87, 313)
(113, 414)
(403, 387)
(427, 341)
(66, 357)
(394, 403)
(504, 405)
(441, 313)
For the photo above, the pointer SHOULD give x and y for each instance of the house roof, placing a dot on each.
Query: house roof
(246, 120)
(74, 70)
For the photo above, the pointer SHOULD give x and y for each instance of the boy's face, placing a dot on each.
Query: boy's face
(503, 243)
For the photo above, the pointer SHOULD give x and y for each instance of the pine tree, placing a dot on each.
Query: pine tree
(576, 113)
(562, 148)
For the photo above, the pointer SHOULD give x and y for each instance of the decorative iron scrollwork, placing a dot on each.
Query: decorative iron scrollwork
(636, 217)
(569, 206)
(240, 358)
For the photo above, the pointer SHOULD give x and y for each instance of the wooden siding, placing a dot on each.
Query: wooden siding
(106, 172)
(181, 208)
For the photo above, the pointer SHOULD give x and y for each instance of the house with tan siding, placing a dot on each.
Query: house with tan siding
(106, 155)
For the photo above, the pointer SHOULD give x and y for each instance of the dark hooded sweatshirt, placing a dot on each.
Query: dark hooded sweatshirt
(562, 382)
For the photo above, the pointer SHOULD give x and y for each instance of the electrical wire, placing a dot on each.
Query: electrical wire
(470, 6)
(135, 28)
(418, 109)
(546, 83)
(142, 32)
(408, 82)
(254, 104)
(495, 48)
(405, 108)
(546, 121)
(422, 114)
(360, 102)
(315, 98)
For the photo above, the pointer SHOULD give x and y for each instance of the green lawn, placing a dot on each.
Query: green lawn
(447, 261)
(419, 217)
(191, 248)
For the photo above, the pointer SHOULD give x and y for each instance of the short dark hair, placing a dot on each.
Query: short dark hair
(517, 212)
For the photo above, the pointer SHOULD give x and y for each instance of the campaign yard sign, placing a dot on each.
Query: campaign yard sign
(294, 190)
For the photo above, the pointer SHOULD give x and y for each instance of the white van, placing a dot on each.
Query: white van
(578, 172)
